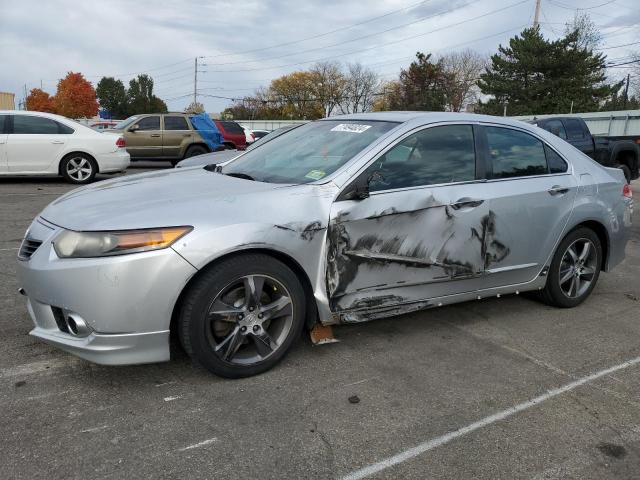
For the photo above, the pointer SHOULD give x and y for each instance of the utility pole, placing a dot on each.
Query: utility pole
(25, 97)
(536, 16)
(195, 83)
(626, 92)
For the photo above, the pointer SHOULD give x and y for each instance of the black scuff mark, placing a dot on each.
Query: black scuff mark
(375, 313)
(310, 230)
(491, 249)
(284, 227)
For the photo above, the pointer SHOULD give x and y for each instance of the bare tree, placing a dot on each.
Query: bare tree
(328, 85)
(589, 35)
(362, 85)
(462, 70)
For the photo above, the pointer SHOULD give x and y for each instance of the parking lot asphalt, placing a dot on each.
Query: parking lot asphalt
(498, 388)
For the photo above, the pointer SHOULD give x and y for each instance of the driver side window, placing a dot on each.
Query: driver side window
(432, 156)
(149, 123)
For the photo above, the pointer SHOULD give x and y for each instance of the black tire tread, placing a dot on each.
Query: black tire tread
(202, 285)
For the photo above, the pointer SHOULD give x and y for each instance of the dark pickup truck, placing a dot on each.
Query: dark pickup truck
(607, 151)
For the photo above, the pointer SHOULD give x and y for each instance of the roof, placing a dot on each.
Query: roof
(427, 117)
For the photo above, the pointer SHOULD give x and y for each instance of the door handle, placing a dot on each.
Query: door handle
(154, 135)
(186, 135)
(557, 190)
(57, 142)
(466, 202)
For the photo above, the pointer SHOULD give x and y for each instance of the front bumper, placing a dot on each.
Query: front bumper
(126, 301)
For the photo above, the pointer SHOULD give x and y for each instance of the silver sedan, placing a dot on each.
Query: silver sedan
(346, 219)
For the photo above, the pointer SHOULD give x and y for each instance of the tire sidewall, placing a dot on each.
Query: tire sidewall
(67, 159)
(192, 328)
(553, 281)
(194, 151)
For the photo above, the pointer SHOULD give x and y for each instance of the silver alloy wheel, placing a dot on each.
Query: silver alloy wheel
(578, 268)
(79, 168)
(249, 319)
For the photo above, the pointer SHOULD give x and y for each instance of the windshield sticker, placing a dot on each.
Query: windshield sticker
(350, 127)
(315, 174)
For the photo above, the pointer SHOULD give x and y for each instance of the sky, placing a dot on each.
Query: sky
(244, 45)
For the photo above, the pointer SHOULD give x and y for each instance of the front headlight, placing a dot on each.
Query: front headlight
(70, 244)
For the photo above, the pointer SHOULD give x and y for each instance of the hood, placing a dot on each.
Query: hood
(168, 198)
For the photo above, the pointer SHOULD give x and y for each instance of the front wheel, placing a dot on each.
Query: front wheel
(242, 315)
(574, 270)
(78, 168)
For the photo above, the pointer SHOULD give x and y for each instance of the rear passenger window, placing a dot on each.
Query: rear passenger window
(149, 123)
(574, 129)
(175, 123)
(555, 127)
(4, 124)
(556, 162)
(32, 125)
(64, 129)
(431, 156)
(232, 127)
(514, 153)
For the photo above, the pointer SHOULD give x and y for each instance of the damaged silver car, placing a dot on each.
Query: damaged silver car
(345, 219)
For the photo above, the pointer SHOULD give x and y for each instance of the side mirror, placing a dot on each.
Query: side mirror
(359, 190)
(134, 128)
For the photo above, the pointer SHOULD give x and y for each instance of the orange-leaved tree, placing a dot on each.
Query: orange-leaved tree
(40, 101)
(75, 97)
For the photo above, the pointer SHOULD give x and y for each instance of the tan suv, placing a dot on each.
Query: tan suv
(168, 136)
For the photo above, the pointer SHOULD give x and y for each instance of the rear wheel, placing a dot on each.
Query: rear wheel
(574, 270)
(627, 172)
(194, 150)
(242, 316)
(78, 168)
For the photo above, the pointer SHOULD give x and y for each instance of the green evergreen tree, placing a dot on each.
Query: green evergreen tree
(537, 76)
(140, 97)
(112, 96)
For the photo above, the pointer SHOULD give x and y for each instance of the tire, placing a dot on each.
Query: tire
(627, 172)
(249, 334)
(194, 150)
(78, 168)
(567, 287)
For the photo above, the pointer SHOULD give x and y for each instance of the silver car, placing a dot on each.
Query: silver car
(341, 220)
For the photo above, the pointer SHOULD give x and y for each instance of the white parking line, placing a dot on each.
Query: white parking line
(198, 445)
(496, 417)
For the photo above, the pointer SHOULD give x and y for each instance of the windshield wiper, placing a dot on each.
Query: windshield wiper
(240, 175)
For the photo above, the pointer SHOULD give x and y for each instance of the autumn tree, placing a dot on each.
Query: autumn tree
(40, 101)
(75, 97)
(294, 93)
(112, 96)
(195, 107)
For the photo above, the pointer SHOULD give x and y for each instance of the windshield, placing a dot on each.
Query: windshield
(309, 152)
(125, 123)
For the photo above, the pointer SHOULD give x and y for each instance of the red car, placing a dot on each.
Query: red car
(233, 134)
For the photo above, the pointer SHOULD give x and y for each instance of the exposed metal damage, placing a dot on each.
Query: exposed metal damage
(432, 243)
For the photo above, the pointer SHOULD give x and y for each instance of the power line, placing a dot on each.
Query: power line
(569, 7)
(321, 34)
(422, 19)
(379, 45)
